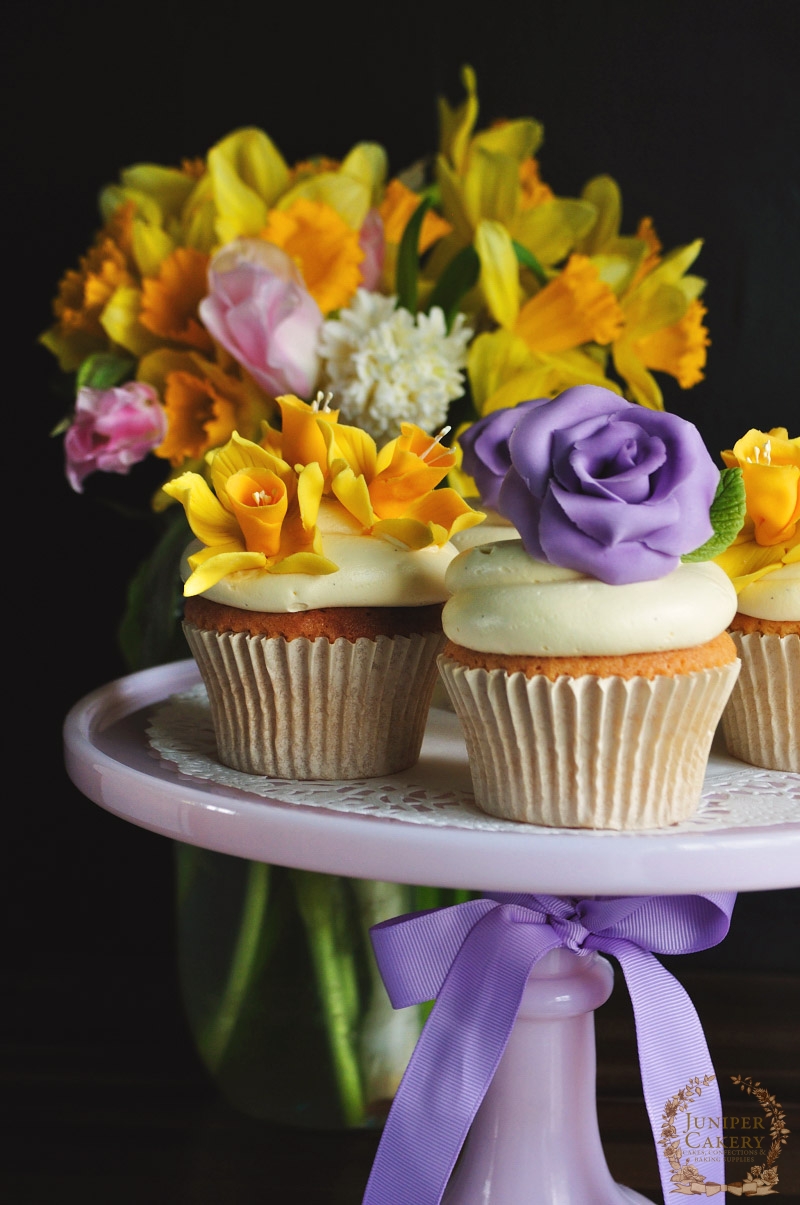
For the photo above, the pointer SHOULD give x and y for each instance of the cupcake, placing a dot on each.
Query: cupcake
(761, 723)
(588, 660)
(314, 592)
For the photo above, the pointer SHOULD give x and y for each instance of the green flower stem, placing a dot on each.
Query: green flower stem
(322, 904)
(388, 1035)
(216, 1034)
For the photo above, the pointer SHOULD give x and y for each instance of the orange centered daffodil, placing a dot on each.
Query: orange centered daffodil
(261, 510)
(770, 537)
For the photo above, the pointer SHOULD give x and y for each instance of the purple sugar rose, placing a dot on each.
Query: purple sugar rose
(112, 429)
(607, 487)
(484, 446)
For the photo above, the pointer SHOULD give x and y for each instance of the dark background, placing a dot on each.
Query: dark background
(692, 107)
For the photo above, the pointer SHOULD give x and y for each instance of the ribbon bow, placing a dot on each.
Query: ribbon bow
(475, 959)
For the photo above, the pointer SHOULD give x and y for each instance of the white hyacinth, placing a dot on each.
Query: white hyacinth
(385, 366)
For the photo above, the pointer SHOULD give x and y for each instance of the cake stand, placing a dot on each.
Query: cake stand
(142, 748)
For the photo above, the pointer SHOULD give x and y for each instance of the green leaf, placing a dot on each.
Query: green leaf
(408, 259)
(460, 275)
(727, 516)
(528, 260)
(150, 632)
(104, 370)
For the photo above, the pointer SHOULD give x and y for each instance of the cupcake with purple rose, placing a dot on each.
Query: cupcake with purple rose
(588, 659)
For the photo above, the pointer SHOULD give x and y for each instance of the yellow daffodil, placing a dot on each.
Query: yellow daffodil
(261, 515)
(575, 308)
(84, 294)
(164, 203)
(248, 175)
(621, 260)
(351, 189)
(204, 403)
(490, 176)
(503, 371)
(170, 300)
(770, 537)
(663, 328)
(396, 210)
(323, 246)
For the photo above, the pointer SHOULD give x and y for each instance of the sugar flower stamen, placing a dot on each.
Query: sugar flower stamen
(435, 442)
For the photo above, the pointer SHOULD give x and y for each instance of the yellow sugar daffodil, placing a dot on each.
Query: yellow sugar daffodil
(261, 515)
(300, 440)
(392, 492)
(770, 464)
(770, 536)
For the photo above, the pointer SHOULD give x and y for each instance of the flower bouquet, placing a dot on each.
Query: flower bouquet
(432, 296)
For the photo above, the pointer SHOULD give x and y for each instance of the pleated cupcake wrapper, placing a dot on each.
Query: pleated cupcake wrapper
(311, 709)
(761, 723)
(588, 752)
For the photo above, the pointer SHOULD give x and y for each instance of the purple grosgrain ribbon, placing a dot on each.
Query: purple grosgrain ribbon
(474, 959)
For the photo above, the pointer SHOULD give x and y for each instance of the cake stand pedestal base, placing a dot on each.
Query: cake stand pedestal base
(535, 1139)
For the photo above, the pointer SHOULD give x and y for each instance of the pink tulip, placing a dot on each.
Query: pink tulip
(260, 311)
(373, 244)
(112, 429)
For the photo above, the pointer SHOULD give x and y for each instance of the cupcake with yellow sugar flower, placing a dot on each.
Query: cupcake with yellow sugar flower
(761, 722)
(314, 591)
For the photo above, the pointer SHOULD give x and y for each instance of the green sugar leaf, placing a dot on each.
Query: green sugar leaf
(727, 516)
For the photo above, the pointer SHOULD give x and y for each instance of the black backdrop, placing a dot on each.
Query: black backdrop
(692, 107)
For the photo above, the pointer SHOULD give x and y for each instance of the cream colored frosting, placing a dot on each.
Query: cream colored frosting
(494, 527)
(776, 595)
(504, 601)
(371, 572)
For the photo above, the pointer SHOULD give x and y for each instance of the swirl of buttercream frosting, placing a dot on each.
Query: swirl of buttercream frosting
(504, 601)
(776, 595)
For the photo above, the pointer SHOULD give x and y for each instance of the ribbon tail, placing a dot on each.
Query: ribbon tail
(675, 1064)
(454, 1061)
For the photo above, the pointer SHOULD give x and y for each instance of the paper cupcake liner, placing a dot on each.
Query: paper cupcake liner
(309, 709)
(588, 752)
(761, 722)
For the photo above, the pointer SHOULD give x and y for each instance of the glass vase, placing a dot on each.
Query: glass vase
(282, 993)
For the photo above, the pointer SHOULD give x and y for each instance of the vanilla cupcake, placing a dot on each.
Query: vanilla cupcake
(587, 664)
(761, 723)
(314, 593)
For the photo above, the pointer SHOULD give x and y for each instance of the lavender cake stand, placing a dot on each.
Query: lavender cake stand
(142, 748)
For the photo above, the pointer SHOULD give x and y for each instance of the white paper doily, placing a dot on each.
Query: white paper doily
(181, 732)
